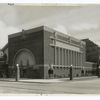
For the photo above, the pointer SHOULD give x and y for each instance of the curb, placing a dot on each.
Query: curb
(50, 80)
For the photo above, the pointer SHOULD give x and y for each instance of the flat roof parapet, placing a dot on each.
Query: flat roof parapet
(26, 31)
(46, 28)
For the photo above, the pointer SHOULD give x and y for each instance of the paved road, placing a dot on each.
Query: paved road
(91, 86)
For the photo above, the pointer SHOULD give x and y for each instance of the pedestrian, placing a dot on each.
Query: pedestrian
(82, 72)
(50, 72)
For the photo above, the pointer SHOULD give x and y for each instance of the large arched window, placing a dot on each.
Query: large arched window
(24, 57)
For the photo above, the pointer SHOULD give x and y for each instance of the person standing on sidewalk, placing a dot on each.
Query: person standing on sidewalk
(50, 71)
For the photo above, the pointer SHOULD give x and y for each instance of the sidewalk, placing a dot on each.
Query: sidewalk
(49, 80)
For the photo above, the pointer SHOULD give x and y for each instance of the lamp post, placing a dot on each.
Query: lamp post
(17, 72)
(71, 72)
(98, 68)
(98, 71)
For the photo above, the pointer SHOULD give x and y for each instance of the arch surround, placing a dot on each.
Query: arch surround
(24, 57)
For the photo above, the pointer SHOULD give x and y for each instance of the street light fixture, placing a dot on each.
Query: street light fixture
(17, 72)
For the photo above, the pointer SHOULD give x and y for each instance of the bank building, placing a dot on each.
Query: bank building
(39, 49)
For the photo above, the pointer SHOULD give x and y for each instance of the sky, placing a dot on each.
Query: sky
(79, 21)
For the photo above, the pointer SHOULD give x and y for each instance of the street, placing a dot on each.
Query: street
(91, 86)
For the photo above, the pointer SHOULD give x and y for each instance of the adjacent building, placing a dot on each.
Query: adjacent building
(92, 56)
(3, 64)
(92, 51)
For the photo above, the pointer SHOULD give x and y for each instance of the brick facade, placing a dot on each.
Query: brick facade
(33, 42)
